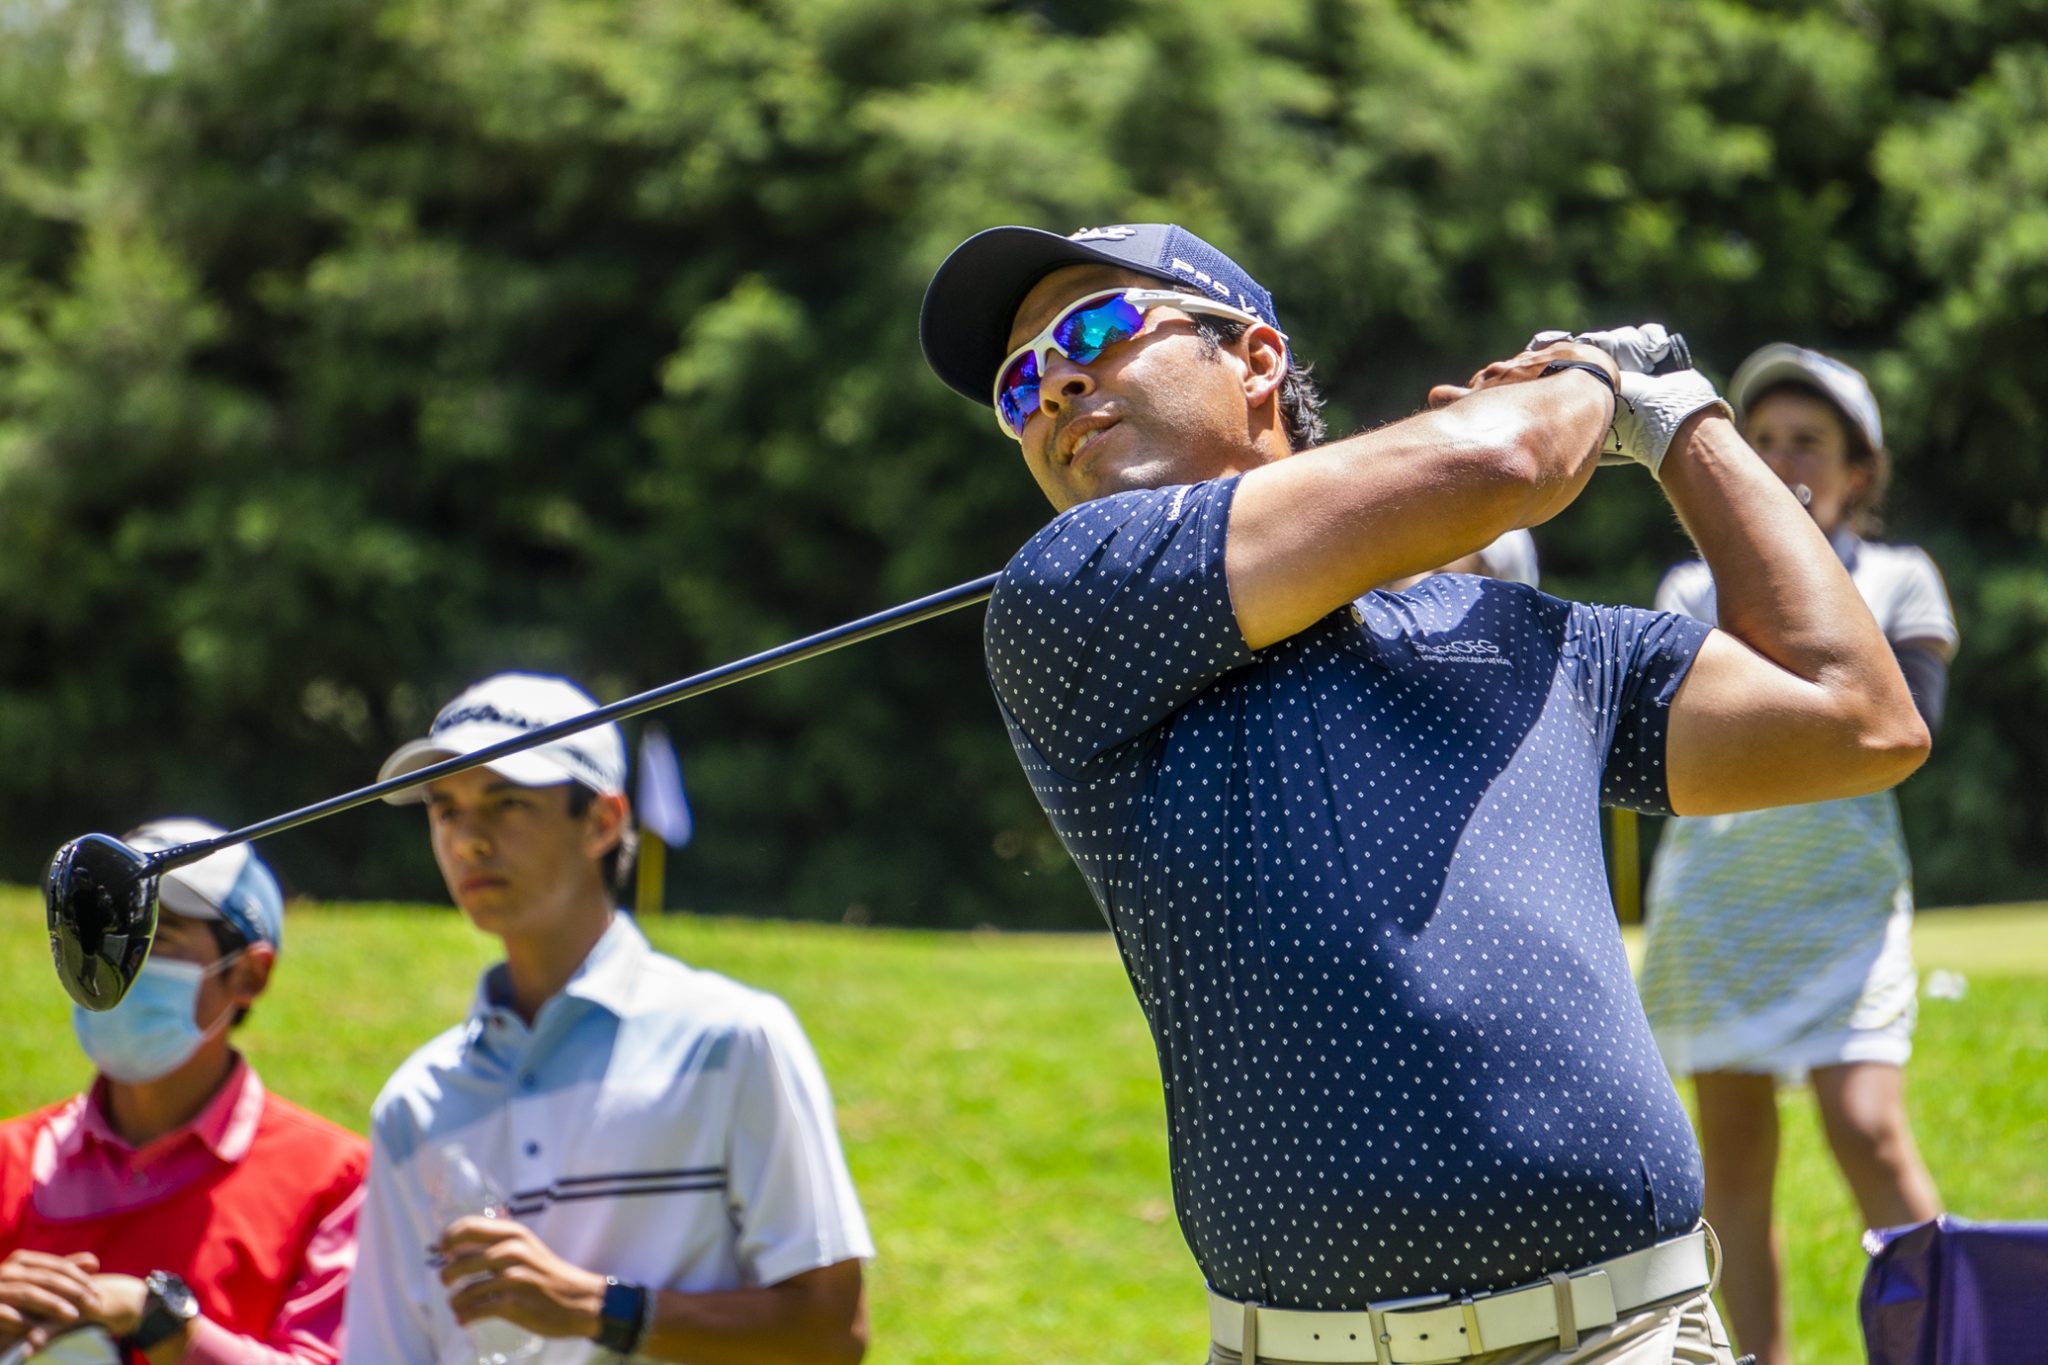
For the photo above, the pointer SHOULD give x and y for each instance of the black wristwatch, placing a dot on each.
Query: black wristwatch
(622, 1318)
(169, 1306)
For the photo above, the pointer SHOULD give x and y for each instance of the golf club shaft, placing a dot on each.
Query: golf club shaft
(796, 651)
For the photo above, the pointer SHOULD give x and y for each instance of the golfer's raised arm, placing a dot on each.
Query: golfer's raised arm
(1797, 696)
(1312, 532)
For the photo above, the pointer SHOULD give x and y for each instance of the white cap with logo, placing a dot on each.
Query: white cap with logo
(508, 705)
(233, 885)
(1782, 361)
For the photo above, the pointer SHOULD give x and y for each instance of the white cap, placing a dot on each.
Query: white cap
(232, 885)
(506, 706)
(1781, 361)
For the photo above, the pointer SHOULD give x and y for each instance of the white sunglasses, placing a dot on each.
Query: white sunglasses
(1083, 331)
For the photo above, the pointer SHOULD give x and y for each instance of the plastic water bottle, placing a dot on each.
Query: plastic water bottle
(460, 1189)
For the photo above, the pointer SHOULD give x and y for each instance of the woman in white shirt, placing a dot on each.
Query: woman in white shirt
(1778, 939)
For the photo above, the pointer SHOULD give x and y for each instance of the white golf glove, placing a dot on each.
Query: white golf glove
(1651, 410)
(1641, 349)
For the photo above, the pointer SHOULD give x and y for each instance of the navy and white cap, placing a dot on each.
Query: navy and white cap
(972, 300)
(1781, 362)
(233, 885)
(503, 707)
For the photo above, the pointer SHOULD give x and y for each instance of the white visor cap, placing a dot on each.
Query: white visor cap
(233, 885)
(504, 707)
(1782, 361)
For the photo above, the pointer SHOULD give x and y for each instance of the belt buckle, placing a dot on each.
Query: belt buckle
(1376, 1313)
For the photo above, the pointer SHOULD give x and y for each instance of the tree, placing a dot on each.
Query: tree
(352, 349)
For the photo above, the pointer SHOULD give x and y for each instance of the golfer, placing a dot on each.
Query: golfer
(660, 1139)
(1349, 841)
(1779, 940)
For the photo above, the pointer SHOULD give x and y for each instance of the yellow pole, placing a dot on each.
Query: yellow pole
(1626, 872)
(647, 888)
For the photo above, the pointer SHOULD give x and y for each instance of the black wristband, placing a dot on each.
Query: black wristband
(1589, 367)
(622, 1319)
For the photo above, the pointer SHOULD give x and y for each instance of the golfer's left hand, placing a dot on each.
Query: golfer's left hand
(118, 1302)
(1521, 368)
(505, 1271)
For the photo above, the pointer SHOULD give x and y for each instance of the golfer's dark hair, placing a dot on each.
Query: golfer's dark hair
(230, 941)
(618, 860)
(1301, 404)
(1865, 510)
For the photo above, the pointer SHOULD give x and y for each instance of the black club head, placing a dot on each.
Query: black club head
(99, 896)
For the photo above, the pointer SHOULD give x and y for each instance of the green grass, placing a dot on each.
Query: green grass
(1977, 1090)
(1000, 1104)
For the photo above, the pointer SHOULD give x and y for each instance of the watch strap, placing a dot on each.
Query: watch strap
(166, 1308)
(622, 1318)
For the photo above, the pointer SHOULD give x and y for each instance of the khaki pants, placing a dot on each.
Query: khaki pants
(1688, 1332)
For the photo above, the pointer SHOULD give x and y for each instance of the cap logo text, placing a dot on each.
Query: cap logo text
(1095, 234)
(490, 715)
(1212, 284)
(482, 711)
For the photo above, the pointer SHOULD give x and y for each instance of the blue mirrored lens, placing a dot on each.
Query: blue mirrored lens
(1084, 335)
(1017, 396)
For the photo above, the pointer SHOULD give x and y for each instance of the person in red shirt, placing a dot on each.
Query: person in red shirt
(177, 1213)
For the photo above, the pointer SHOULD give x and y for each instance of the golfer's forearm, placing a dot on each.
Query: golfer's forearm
(209, 1343)
(1782, 591)
(1562, 446)
(1312, 532)
(1926, 672)
(779, 1325)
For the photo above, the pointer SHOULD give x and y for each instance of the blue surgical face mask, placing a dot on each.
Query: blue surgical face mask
(152, 1032)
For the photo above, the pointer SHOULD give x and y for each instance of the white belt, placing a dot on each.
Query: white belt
(1436, 1329)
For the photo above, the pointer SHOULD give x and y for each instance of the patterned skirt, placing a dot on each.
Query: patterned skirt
(1779, 940)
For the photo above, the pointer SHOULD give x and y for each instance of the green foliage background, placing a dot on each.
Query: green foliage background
(350, 349)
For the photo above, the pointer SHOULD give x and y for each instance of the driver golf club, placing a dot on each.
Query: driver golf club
(99, 894)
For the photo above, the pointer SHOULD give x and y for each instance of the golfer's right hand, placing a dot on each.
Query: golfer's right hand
(1527, 365)
(40, 1292)
(496, 1268)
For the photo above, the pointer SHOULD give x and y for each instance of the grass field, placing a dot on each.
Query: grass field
(1001, 1108)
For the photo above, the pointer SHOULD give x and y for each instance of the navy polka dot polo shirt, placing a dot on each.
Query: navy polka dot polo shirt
(1356, 880)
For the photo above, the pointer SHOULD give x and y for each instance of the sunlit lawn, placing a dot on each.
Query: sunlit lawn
(1001, 1107)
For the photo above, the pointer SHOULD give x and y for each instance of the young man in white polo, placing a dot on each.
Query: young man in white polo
(663, 1136)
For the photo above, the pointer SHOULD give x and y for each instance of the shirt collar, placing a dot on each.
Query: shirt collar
(1848, 545)
(604, 977)
(225, 1124)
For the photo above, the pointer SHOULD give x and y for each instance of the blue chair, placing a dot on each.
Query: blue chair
(1953, 1292)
